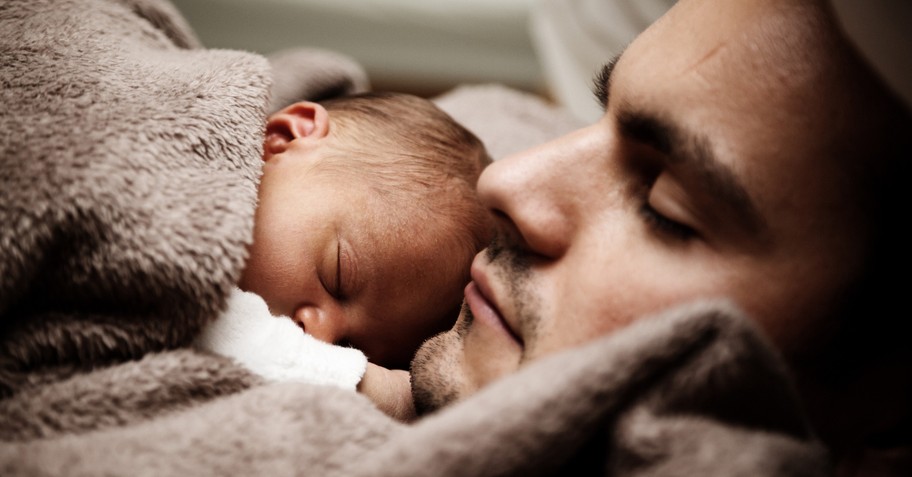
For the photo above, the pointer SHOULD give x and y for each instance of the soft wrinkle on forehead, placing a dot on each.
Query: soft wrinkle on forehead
(601, 81)
(714, 51)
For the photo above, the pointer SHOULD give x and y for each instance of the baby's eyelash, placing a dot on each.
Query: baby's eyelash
(665, 225)
(333, 285)
(338, 288)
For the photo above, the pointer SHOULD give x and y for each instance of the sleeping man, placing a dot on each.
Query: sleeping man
(746, 151)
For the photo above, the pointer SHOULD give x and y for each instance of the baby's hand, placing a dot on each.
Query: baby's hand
(390, 390)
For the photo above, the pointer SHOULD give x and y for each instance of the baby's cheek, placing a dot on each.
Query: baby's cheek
(258, 276)
(250, 274)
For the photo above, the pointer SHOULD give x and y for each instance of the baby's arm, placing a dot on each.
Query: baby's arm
(276, 348)
(390, 390)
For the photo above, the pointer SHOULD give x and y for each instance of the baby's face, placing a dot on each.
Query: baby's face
(327, 254)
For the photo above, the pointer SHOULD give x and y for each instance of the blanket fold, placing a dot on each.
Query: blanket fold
(129, 174)
(130, 162)
(654, 399)
(641, 402)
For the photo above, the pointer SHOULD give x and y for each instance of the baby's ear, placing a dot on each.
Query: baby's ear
(303, 120)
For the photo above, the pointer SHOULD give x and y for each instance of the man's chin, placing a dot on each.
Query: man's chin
(437, 374)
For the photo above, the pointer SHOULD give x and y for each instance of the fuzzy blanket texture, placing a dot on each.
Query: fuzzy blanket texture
(129, 163)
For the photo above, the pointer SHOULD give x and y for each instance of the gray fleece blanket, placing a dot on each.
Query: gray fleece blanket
(129, 161)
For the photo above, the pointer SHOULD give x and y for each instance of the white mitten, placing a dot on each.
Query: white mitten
(276, 348)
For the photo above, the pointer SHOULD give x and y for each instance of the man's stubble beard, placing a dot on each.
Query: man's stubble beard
(437, 372)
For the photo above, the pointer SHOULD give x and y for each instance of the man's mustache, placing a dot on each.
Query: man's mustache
(505, 252)
(511, 262)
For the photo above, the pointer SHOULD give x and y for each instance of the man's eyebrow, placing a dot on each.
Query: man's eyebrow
(601, 82)
(694, 151)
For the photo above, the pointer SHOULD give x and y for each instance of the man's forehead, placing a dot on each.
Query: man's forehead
(773, 65)
(768, 35)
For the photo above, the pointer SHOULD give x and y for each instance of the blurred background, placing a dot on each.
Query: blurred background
(426, 47)
(418, 46)
(547, 47)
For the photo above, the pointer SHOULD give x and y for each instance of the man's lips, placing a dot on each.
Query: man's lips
(477, 294)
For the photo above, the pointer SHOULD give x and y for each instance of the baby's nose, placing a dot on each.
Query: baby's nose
(326, 323)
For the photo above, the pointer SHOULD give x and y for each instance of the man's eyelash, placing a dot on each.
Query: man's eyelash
(665, 225)
(602, 81)
(600, 88)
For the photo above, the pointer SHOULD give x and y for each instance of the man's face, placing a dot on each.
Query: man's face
(332, 255)
(710, 175)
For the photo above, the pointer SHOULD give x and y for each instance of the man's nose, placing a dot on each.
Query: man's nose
(536, 195)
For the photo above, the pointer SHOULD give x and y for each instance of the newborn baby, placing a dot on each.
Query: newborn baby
(365, 230)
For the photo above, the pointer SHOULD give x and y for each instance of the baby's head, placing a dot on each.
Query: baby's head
(367, 221)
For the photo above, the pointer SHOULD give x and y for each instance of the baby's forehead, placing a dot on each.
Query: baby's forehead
(419, 222)
(423, 215)
(432, 231)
